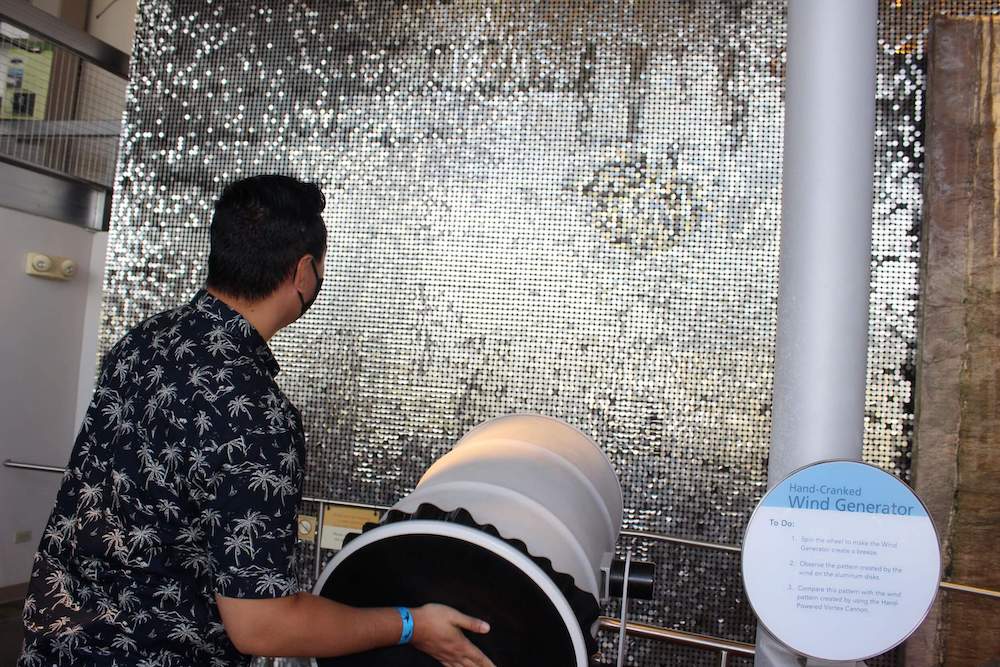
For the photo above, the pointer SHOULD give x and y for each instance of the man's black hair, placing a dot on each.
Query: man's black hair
(262, 226)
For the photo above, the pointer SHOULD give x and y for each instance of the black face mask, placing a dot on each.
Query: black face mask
(319, 285)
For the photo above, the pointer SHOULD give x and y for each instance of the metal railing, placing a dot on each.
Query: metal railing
(725, 647)
(85, 45)
(37, 467)
(62, 99)
(654, 537)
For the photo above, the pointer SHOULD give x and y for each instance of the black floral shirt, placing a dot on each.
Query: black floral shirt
(182, 484)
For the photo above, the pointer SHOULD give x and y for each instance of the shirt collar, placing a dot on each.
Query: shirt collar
(244, 335)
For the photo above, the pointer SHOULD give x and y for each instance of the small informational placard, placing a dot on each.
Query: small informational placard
(340, 520)
(841, 561)
(307, 528)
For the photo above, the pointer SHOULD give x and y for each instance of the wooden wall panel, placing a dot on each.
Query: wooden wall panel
(957, 440)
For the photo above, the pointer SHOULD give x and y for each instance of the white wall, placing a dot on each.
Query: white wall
(48, 341)
(48, 336)
(53, 7)
(116, 25)
(91, 324)
(42, 343)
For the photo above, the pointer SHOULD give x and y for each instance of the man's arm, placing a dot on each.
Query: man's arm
(311, 626)
(248, 487)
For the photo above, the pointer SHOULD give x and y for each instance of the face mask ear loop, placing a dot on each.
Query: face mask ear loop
(303, 306)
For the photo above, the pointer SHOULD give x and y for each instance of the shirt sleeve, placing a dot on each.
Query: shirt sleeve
(249, 483)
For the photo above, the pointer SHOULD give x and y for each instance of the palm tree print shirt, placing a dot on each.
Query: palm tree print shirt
(183, 484)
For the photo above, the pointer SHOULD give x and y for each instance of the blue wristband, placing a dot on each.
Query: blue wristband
(407, 634)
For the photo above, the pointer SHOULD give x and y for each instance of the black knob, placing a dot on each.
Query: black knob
(640, 579)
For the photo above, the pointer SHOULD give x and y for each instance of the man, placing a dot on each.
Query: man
(171, 542)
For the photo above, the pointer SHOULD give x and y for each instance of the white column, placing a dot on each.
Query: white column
(822, 337)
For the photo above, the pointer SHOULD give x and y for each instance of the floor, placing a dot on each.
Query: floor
(10, 632)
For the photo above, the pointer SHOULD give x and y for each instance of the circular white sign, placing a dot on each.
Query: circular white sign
(841, 561)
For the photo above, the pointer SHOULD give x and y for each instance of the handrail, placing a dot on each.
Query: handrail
(660, 537)
(362, 506)
(965, 588)
(657, 537)
(676, 636)
(83, 44)
(33, 466)
(948, 585)
(65, 128)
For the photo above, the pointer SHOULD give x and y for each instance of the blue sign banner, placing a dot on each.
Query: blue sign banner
(845, 486)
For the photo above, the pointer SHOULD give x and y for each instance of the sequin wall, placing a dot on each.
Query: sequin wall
(564, 207)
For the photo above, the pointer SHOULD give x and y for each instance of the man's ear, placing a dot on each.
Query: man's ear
(303, 277)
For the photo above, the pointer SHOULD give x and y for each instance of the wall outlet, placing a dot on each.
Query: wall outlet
(22, 536)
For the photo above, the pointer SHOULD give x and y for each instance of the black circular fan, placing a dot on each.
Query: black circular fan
(399, 567)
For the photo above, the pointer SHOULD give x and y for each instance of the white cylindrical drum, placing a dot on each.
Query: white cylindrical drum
(538, 480)
(512, 526)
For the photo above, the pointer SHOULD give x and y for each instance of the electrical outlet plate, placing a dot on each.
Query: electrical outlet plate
(51, 267)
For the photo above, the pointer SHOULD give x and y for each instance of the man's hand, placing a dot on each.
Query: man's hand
(287, 626)
(437, 631)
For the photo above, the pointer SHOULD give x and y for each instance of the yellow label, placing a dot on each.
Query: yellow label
(339, 520)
